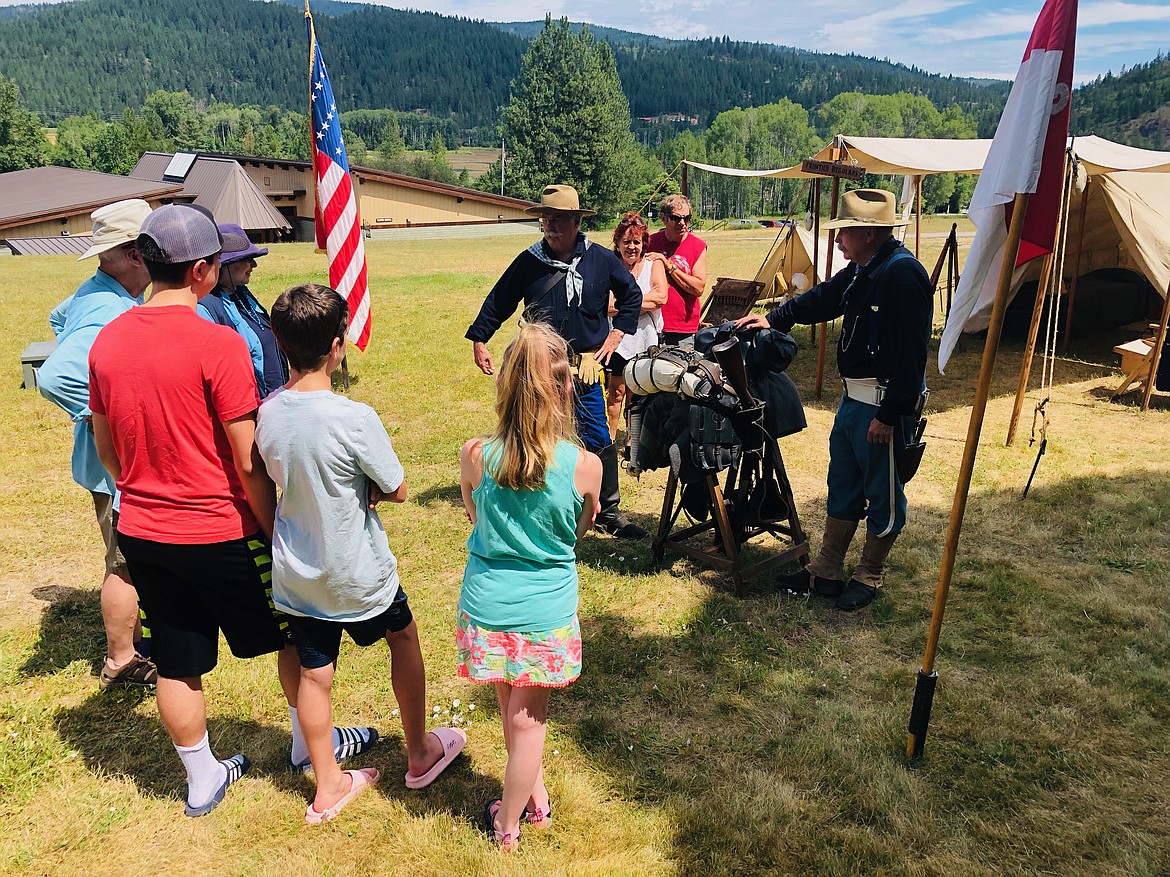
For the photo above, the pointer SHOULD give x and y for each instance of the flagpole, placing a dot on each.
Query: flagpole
(927, 677)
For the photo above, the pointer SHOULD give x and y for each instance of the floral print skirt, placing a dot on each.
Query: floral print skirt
(548, 659)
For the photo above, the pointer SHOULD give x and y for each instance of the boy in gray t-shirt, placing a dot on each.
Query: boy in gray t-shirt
(332, 569)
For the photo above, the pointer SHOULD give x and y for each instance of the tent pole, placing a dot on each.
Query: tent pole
(1072, 288)
(1157, 357)
(816, 230)
(822, 341)
(917, 215)
(1030, 347)
(682, 183)
(1038, 308)
(927, 677)
(952, 266)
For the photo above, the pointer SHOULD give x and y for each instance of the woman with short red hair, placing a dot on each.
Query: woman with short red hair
(629, 242)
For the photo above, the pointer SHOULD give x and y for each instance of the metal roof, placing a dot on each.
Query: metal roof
(220, 185)
(388, 177)
(61, 245)
(42, 193)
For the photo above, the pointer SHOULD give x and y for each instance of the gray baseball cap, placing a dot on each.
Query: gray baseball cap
(184, 233)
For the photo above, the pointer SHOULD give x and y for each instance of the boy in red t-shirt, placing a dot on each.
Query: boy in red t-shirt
(684, 256)
(174, 416)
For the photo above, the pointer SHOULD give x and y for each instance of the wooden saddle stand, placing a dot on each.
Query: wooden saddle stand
(756, 498)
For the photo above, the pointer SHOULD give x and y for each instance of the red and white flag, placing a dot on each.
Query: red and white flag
(1027, 155)
(339, 229)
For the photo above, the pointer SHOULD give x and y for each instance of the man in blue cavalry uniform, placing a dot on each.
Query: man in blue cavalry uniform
(885, 300)
(565, 280)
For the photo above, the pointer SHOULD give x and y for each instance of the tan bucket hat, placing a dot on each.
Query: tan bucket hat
(116, 224)
(867, 208)
(559, 199)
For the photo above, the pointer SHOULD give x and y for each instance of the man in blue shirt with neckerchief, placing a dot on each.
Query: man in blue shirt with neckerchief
(565, 280)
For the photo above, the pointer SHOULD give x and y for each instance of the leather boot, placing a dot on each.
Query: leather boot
(867, 575)
(610, 518)
(824, 574)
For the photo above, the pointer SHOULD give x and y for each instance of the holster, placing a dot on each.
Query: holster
(909, 457)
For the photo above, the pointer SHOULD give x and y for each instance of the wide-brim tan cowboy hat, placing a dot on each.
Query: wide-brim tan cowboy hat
(559, 199)
(867, 208)
(116, 224)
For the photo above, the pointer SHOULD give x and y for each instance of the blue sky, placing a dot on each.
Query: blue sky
(961, 37)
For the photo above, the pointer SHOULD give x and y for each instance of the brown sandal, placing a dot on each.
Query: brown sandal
(139, 673)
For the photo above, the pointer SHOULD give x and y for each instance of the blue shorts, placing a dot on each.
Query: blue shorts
(318, 640)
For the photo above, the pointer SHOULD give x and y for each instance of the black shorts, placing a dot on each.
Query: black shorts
(192, 592)
(318, 640)
(616, 364)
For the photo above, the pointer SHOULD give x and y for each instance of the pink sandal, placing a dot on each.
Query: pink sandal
(360, 780)
(504, 839)
(538, 818)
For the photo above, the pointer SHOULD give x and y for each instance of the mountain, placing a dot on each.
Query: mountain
(1132, 107)
(248, 52)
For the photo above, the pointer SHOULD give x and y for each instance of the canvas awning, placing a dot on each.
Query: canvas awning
(907, 156)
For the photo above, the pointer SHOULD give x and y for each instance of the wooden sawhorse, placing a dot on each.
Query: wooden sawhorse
(724, 553)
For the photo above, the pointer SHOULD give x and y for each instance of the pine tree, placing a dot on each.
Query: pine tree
(568, 121)
(22, 143)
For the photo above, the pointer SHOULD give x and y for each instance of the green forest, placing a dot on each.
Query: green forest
(228, 76)
(245, 52)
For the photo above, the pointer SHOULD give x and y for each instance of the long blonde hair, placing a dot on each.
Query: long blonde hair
(534, 405)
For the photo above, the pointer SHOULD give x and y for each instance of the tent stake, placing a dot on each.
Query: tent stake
(927, 677)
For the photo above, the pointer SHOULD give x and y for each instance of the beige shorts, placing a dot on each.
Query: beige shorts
(103, 506)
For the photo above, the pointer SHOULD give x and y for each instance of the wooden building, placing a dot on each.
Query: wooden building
(385, 200)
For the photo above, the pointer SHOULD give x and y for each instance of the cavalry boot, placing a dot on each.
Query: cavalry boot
(609, 517)
(867, 575)
(824, 574)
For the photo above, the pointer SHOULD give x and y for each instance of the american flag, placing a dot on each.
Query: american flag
(339, 229)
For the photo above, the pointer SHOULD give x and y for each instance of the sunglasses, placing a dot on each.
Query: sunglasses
(674, 217)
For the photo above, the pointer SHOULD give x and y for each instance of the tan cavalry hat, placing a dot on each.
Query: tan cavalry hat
(559, 199)
(863, 208)
(116, 224)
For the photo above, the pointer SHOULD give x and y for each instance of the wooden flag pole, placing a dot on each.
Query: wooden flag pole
(822, 341)
(1038, 307)
(927, 677)
(1159, 343)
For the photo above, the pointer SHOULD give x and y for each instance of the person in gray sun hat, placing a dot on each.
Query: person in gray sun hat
(117, 285)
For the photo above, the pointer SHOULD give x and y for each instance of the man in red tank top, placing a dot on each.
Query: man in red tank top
(685, 258)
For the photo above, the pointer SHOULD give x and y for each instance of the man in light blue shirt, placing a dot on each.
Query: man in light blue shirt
(118, 284)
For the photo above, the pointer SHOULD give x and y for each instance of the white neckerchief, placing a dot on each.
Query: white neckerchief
(574, 282)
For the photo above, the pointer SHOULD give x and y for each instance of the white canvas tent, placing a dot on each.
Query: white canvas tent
(1128, 214)
(789, 266)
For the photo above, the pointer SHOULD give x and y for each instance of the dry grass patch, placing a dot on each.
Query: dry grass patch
(707, 735)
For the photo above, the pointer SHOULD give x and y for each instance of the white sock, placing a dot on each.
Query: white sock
(299, 750)
(204, 774)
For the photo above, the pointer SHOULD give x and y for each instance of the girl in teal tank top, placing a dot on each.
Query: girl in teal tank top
(529, 492)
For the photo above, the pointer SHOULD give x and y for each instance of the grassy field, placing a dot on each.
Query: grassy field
(707, 736)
